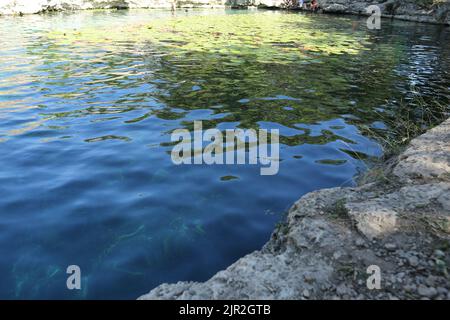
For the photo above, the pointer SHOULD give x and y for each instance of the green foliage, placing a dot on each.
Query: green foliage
(407, 121)
(338, 210)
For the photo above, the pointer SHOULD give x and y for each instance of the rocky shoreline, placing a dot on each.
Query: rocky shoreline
(437, 12)
(429, 11)
(398, 220)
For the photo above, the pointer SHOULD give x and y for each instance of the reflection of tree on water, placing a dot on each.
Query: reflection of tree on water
(242, 90)
(285, 69)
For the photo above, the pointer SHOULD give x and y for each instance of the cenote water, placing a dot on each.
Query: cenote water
(88, 101)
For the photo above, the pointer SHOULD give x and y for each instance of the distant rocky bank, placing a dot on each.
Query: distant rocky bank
(430, 11)
(398, 222)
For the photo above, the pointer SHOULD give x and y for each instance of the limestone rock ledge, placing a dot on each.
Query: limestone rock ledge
(400, 222)
(14, 7)
(431, 11)
(437, 11)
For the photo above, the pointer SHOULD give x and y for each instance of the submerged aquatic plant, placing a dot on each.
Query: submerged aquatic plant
(407, 121)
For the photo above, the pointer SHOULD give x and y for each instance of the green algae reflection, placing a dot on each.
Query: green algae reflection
(267, 37)
(244, 69)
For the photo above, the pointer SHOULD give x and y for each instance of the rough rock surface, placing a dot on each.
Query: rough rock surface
(399, 222)
(426, 158)
(412, 10)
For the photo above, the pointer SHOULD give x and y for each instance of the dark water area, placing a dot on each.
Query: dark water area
(88, 101)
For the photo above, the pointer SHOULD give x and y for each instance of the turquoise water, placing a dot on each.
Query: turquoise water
(87, 104)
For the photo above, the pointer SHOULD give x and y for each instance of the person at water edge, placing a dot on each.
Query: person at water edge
(314, 5)
(301, 3)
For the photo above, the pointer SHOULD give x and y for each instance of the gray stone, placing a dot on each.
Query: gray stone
(426, 157)
(390, 246)
(428, 292)
(410, 288)
(306, 293)
(442, 291)
(439, 253)
(413, 261)
(360, 242)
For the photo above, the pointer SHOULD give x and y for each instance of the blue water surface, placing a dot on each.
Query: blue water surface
(86, 176)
